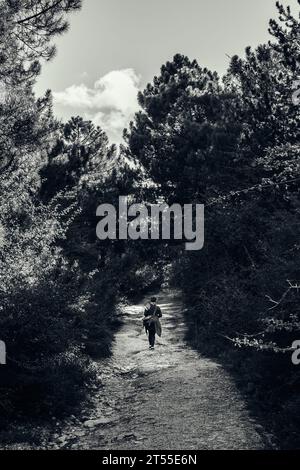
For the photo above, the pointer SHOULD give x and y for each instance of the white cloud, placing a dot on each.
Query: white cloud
(111, 103)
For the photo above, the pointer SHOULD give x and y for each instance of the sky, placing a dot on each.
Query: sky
(115, 47)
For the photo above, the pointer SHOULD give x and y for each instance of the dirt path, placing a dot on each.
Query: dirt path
(169, 398)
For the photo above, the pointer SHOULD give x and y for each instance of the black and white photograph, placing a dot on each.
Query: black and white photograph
(150, 230)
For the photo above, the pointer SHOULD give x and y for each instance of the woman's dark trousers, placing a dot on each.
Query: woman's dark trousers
(151, 331)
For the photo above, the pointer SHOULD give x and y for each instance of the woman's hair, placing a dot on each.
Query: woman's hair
(153, 299)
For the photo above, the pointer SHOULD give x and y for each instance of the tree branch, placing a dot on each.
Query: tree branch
(42, 12)
(277, 303)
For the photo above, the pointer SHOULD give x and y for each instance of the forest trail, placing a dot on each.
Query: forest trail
(169, 398)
